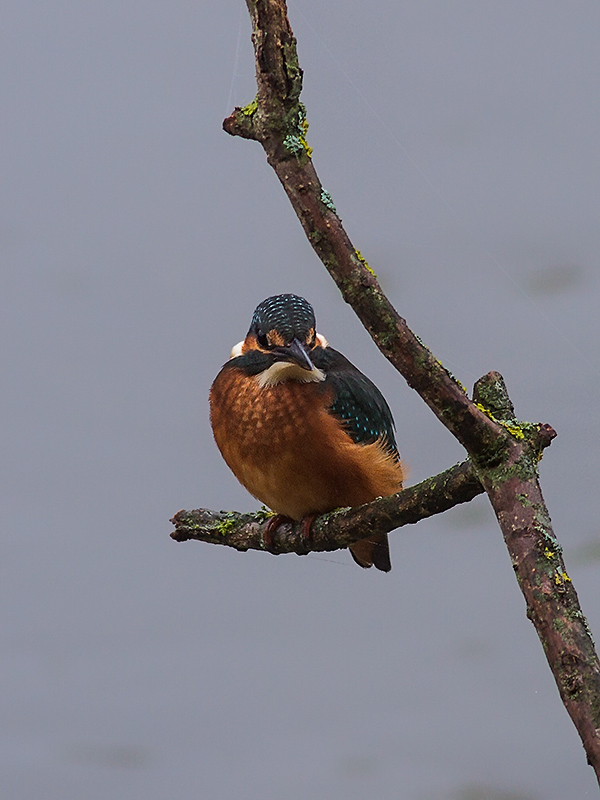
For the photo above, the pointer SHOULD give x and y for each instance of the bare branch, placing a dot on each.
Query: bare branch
(335, 530)
(503, 451)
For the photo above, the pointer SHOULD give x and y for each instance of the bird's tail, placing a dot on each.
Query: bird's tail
(374, 551)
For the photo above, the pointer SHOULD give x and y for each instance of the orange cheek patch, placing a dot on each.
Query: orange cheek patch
(275, 339)
(250, 343)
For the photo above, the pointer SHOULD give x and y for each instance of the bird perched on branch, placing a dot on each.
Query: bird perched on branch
(300, 426)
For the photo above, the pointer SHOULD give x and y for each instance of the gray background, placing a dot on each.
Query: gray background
(460, 142)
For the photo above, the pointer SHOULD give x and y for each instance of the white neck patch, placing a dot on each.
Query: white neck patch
(283, 371)
(236, 350)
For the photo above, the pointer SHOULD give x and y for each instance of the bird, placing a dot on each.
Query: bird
(301, 428)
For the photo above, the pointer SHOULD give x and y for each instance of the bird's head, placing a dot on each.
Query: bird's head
(284, 328)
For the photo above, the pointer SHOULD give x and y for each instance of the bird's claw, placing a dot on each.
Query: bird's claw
(270, 528)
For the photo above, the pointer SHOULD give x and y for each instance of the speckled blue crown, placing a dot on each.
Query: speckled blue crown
(288, 314)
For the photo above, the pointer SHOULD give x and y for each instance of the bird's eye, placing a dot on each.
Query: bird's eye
(262, 339)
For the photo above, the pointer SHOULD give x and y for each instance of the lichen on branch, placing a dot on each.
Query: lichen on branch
(335, 530)
(503, 453)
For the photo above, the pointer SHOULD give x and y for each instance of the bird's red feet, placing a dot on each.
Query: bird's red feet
(270, 529)
(305, 531)
(279, 519)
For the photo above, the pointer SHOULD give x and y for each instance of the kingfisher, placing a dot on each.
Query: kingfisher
(301, 428)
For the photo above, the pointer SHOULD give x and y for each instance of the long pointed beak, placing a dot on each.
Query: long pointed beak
(296, 353)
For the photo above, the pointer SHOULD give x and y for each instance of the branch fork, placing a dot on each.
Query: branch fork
(503, 454)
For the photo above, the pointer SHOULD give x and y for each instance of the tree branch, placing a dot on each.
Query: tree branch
(335, 530)
(504, 453)
(277, 120)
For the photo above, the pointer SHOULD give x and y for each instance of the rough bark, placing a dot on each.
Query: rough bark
(336, 530)
(503, 452)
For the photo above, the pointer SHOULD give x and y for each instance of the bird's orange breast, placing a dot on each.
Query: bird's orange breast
(285, 447)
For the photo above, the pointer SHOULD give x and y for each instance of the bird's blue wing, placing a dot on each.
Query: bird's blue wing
(357, 402)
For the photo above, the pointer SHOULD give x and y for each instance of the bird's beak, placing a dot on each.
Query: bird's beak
(296, 353)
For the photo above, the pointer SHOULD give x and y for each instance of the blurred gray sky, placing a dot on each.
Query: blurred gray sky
(460, 144)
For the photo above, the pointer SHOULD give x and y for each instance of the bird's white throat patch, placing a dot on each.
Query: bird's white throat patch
(282, 371)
